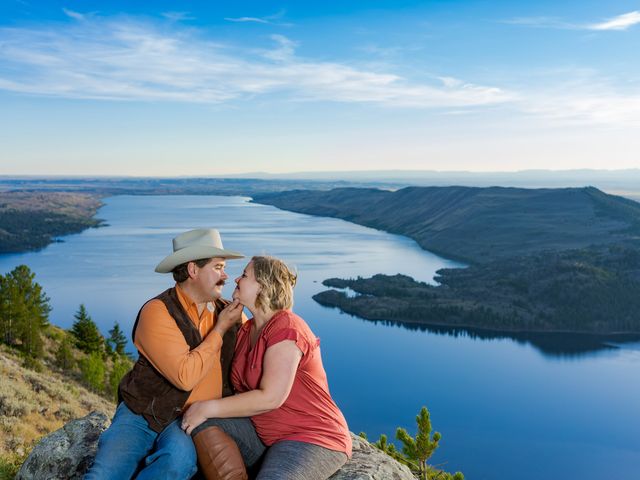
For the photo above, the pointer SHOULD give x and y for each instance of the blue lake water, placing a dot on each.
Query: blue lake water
(508, 406)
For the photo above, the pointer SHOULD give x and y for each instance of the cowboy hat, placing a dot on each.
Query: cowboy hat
(194, 245)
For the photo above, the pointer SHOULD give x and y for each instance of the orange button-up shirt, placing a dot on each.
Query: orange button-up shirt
(160, 340)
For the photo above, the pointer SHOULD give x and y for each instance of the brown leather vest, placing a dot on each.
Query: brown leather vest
(146, 392)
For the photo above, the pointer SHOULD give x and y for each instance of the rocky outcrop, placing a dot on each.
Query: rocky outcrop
(67, 454)
(369, 463)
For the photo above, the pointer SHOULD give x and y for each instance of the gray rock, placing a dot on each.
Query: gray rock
(67, 452)
(369, 463)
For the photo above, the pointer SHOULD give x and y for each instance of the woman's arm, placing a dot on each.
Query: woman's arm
(279, 370)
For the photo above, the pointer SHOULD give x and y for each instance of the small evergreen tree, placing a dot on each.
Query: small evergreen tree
(92, 368)
(86, 333)
(64, 354)
(117, 341)
(390, 449)
(422, 447)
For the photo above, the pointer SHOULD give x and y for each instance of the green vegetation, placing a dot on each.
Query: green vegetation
(542, 260)
(81, 353)
(29, 221)
(116, 341)
(86, 333)
(24, 311)
(35, 403)
(593, 290)
(46, 371)
(416, 451)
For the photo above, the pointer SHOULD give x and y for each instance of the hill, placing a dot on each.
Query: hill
(32, 404)
(32, 220)
(478, 225)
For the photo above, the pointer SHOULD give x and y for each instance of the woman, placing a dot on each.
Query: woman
(282, 386)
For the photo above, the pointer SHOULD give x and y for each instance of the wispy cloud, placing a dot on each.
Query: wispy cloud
(125, 59)
(621, 22)
(177, 16)
(72, 14)
(275, 19)
(578, 96)
(246, 19)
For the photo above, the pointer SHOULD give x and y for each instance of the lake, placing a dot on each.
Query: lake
(509, 406)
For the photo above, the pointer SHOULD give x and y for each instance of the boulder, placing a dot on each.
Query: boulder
(67, 454)
(369, 463)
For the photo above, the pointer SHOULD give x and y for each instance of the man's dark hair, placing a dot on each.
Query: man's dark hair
(180, 273)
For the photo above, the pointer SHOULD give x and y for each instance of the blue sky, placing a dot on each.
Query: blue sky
(201, 88)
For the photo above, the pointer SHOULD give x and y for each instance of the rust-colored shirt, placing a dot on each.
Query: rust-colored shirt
(309, 414)
(159, 339)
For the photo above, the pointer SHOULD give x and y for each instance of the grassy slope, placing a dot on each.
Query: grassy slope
(33, 404)
(478, 224)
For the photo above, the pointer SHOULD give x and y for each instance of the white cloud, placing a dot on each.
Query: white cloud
(585, 100)
(621, 22)
(540, 22)
(177, 16)
(134, 60)
(72, 14)
(269, 19)
(246, 19)
(285, 50)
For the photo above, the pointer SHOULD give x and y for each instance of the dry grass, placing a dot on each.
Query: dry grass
(33, 404)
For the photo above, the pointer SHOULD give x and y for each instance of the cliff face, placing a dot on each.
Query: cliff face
(68, 452)
(477, 225)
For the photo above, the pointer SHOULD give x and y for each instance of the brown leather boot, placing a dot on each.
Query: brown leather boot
(218, 455)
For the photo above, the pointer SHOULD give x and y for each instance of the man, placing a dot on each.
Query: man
(183, 358)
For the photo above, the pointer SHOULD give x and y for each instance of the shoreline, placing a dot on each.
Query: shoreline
(472, 328)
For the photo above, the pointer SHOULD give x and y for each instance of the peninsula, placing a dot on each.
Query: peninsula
(540, 260)
(32, 220)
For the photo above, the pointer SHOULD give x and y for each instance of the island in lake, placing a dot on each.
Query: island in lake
(541, 260)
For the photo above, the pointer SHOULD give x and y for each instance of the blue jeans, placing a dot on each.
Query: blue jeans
(129, 448)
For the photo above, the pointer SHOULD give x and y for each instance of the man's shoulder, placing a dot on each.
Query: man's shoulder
(153, 308)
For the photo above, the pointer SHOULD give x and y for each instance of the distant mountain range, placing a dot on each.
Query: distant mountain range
(621, 182)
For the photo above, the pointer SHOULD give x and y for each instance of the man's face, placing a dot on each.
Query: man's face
(209, 280)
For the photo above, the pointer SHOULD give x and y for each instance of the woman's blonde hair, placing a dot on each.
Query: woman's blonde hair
(276, 283)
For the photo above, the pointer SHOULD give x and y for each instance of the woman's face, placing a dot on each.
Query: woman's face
(247, 287)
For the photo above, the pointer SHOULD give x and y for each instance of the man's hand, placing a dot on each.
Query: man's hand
(231, 315)
(195, 415)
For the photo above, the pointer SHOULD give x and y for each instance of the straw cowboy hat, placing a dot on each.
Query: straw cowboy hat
(194, 245)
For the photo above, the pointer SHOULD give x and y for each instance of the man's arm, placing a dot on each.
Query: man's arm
(160, 340)
(280, 365)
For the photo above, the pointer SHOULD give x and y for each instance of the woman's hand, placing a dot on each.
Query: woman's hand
(197, 413)
(231, 315)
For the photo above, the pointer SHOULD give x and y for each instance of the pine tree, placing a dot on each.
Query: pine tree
(24, 310)
(117, 340)
(422, 447)
(88, 338)
(8, 302)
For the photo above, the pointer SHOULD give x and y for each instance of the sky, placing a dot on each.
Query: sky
(202, 88)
